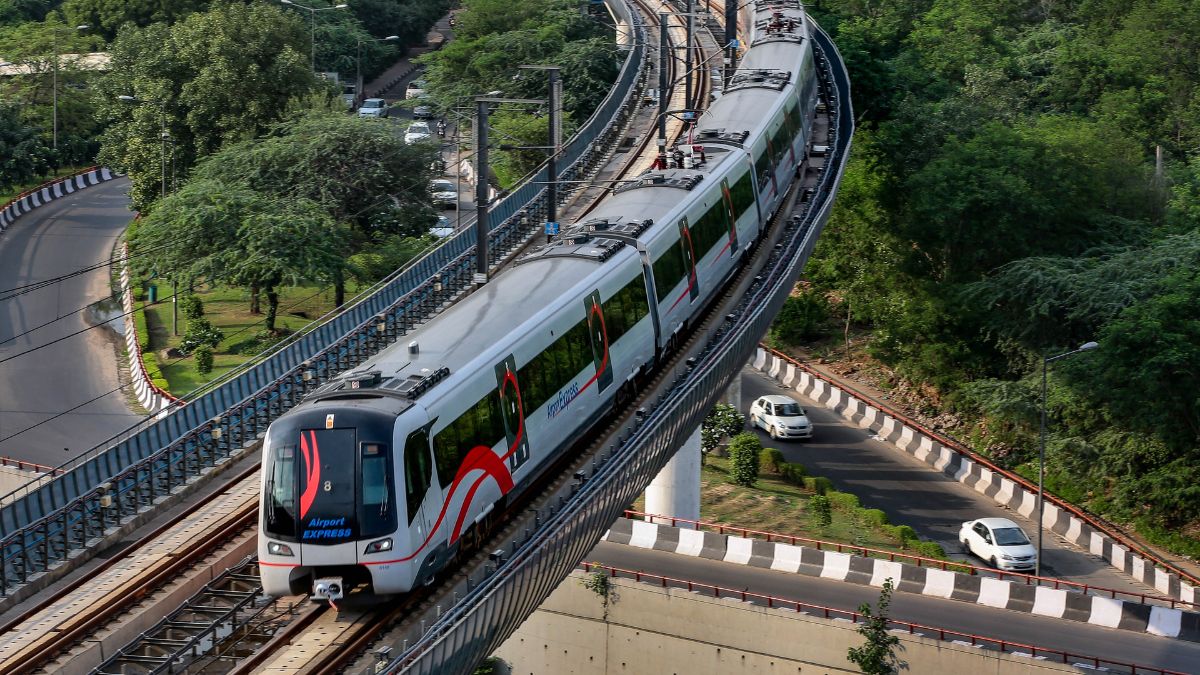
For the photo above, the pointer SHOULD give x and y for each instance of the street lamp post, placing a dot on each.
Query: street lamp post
(312, 15)
(163, 135)
(1041, 504)
(358, 81)
(54, 86)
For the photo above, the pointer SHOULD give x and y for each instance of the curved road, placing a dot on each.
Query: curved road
(61, 237)
(912, 493)
(1078, 638)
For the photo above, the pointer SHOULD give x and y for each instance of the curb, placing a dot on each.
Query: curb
(153, 399)
(1006, 492)
(1001, 594)
(48, 192)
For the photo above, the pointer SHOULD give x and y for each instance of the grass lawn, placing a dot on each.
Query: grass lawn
(773, 505)
(229, 311)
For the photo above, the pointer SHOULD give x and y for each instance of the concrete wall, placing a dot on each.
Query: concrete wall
(647, 629)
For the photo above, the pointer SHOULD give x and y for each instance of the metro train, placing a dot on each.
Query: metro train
(380, 476)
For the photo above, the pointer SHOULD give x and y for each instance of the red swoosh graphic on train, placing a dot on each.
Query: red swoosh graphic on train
(480, 457)
(692, 275)
(312, 469)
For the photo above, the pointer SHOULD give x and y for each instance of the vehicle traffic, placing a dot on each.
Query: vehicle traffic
(380, 477)
(417, 131)
(781, 417)
(444, 193)
(1000, 542)
(415, 89)
(373, 107)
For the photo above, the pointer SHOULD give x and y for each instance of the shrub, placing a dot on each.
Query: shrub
(200, 333)
(743, 459)
(843, 501)
(801, 317)
(929, 549)
(793, 473)
(818, 484)
(875, 516)
(204, 360)
(771, 459)
(821, 509)
(191, 306)
(906, 534)
(726, 419)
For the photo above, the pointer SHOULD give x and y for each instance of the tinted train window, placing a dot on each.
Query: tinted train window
(623, 310)
(279, 509)
(669, 270)
(378, 513)
(762, 168)
(712, 227)
(480, 425)
(547, 373)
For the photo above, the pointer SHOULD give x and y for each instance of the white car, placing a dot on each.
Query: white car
(444, 193)
(444, 228)
(373, 107)
(999, 541)
(781, 417)
(417, 131)
(415, 89)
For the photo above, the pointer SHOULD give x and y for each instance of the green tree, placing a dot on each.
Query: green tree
(744, 451)
(108, 16)
(23, 155)
(877, 656)
(801, 318)
(214, 78)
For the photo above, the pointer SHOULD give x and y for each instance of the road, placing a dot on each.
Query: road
(64, 236)
(911, 493)
(1079, 638)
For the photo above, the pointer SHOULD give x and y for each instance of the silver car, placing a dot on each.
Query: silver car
(373, 107)
(417, 131)
(444, 193)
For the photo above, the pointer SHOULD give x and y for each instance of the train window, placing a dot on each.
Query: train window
(479, 425)
(623, 310)
(762, 168)
(376, 516)
(669, 270)
(280, 507)
(780, 142)
(547, 373)
(742, 193)
(417, 471)
(711, 228)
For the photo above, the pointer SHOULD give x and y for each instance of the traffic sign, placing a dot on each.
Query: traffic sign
(551, 228)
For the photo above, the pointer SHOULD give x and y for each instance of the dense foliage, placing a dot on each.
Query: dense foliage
(1024, 180)
(492, 39)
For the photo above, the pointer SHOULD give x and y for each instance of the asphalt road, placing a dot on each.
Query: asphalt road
(61, 237)
(1078, 638)
(912, 493)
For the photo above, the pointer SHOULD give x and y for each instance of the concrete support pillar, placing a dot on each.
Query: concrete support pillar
(676, 489)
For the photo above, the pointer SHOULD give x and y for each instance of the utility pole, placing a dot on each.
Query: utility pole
(663, 55)
(687, 51)
(555, 145)
(481, 190)
(731, 9)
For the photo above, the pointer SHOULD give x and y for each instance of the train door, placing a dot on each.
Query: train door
(328, 500)
(599, 340)
(689, 258)
(512, 413)
(418, 476)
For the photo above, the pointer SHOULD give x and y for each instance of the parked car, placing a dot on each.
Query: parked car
(417, 131)
(781, 417)
(445, 194)
(423, 112)
(999, 541)
(373, 107)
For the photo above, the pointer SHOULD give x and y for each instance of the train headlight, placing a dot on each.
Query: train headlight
(379, 546)
(276, 548)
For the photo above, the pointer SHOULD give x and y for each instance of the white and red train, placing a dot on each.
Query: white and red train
(378, 477)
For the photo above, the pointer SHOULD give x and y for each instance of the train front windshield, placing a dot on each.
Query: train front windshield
(326, 489)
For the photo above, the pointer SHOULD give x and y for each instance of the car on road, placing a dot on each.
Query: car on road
(417, 131)
(999, 541)
(781, 417)
(445, 194)
(373, 107)
(444, 228)
(423, 112)
(415, 89)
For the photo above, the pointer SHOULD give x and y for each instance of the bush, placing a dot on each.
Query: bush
(875, 516)
(929, 549)
(204, 360)
(743, 459)
(818, 484)
(821, 510)
(726, 419)
(200, 333)
(801, 318)
(793, 473)
(191, 306)
(906, 534)
(843, 501)
(771, 459)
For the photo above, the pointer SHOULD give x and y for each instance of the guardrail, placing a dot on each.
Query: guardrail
(919, 561)
(112, 482)
(478, 623)
(948, 441)
(943, 634)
